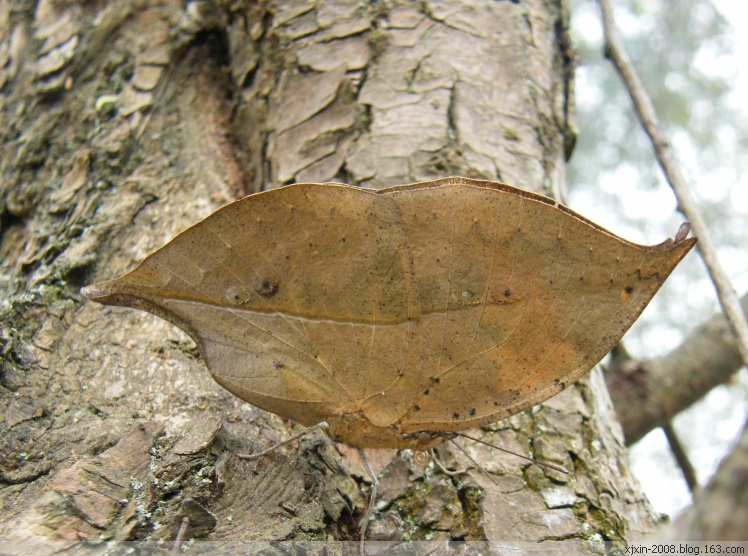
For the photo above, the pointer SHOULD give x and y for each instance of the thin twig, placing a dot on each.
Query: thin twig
(645, 111)
(689, 473)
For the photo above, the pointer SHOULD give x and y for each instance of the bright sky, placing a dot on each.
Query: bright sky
(736, 12)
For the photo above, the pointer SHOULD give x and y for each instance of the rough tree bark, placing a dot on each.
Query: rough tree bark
(129, 121)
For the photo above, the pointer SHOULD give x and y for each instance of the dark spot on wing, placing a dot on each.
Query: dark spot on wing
(267, 288)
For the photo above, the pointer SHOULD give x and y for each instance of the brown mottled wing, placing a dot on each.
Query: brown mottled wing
(519, 297)
(436, 306)
(297, 297)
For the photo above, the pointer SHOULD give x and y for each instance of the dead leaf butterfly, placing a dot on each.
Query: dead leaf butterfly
(399, 315)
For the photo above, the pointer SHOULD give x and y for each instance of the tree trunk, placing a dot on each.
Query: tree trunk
(129, 121)
(720, 511)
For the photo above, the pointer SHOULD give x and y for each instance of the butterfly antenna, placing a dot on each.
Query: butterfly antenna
(548, 465)
(372, 499)
(478, 465)
(322, 425)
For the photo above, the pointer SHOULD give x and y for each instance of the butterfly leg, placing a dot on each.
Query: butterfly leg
(322, 425)
(372, 499)
(486, 473)
(180, 536)
(533, 460)
(443, 469)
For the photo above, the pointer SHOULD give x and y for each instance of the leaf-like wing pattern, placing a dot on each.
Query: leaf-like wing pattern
(398, 314)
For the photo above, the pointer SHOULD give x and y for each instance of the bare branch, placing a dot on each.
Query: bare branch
(645, 111)
(686, 467)
(648, 394)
